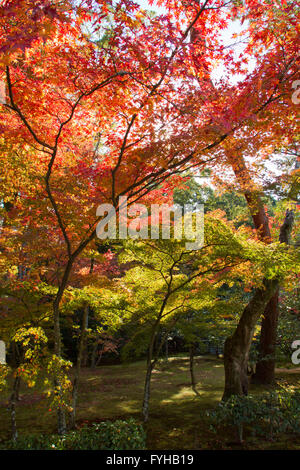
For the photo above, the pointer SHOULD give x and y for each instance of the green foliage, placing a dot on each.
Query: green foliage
(231, 202)
(265, 415)
(57, 370)
(200, 289)
(28, 303)
(4, 372)
(288, 324)
(117, 435)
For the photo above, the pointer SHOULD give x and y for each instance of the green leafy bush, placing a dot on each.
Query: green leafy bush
(265, 415)
(117, 435)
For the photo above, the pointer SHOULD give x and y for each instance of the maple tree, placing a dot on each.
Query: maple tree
(40, 79)
(105, 100)
(273, 43)
(180, 282)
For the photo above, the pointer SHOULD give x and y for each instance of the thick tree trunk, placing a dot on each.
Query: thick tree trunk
(236, 348)
(78, 365)
(265, 367)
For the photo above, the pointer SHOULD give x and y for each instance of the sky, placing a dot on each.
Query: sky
(234, 27)
(145, 4)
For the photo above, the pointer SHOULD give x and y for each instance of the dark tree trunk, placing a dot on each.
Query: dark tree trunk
(192, 370)
(85, 353)
(167, 350)
(17, 358)
(100, 355)
(147, 386)
(150, 366)
(61, 417)
(13, 399)
(265, 367)
(236, 348)
(152, 359)
(78, 365)
(94, 353)
(18, 398)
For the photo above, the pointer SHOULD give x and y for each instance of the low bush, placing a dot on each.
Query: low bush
(266, 415)
(117, 435)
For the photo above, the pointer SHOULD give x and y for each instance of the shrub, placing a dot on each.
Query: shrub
(266, 415)
(117, 435)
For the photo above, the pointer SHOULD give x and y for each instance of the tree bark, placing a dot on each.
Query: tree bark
(100, 356)
(167, 350)
(265, 368)
(78, 365)
(236, 348)
(147, 387)
(61, 416)
(192, 371)
(151, 362)
(150, 366)
(13, 399)
(94, 353)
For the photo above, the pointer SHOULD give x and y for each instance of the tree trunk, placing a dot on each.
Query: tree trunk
(100, 355)
(18, 398)
(265, 366)
(192, 372)
(151, 361)
(150, 366)
(85, 353)
(13, 399)
(94, 353)
(265, 369)
(167, 350)
(61, 417)
(16, 361)
(236, 348)
(147, 386)
(78, 365)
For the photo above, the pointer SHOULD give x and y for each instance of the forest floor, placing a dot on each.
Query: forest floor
(177, 414)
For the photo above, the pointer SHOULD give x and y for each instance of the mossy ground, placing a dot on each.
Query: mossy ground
(177, 414)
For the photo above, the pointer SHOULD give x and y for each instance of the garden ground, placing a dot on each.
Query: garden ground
(177, 414)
